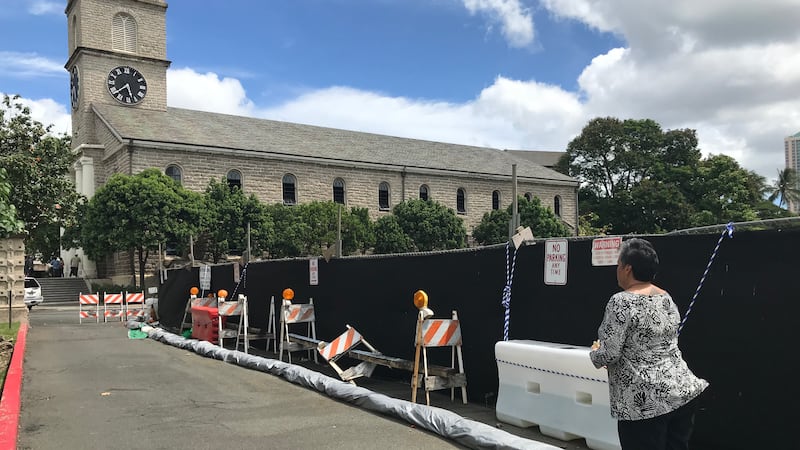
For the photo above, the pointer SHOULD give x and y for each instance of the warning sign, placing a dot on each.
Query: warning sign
(205, 277)
(313, 271)
(555, 262)
(605, 251)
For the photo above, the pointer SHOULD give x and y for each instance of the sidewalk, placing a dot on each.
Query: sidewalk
(89, 386)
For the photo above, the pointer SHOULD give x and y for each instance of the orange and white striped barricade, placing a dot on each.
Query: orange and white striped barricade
(234, 308)
(113, 306)
(342, 345)
(134, 304)
(292, 314)
(88, 306)
(439, 333)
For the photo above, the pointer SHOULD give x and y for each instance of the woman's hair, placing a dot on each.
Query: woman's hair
(642, 258)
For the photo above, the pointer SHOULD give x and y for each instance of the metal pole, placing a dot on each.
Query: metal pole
(10, 296)
(191, 249)
(514, 206)
(339, 234)
(248, 243)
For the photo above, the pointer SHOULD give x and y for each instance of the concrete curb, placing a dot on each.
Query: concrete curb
(12, 389)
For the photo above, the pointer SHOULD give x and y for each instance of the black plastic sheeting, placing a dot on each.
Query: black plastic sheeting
(445, 423)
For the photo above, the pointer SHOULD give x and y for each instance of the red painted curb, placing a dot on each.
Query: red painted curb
(10, 403)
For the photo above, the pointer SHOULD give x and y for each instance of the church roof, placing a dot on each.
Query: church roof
(543, 158)
(222, 131)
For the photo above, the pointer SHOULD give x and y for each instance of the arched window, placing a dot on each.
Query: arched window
(75, 42)
(234, 179)
(383, 196)
(174, 172)
(338, 191)
(557, 205)
(528, 196)
(289, 189)
(461, 201)
(496, 200)
(123, 33)
(423, 192)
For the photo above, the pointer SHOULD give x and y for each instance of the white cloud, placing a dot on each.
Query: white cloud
(39, 8)
(29, 65)
(731, 73)
(515, 20)
(207, 92)
(48, 112)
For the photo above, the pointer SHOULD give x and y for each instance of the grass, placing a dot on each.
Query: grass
(8, 334)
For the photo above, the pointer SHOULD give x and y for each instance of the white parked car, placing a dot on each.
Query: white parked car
(33, 292)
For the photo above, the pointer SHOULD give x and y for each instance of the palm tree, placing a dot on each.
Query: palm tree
(785, 188)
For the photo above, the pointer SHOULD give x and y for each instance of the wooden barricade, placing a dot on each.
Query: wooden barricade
(342, 345)
(438, 333)
(298, 314)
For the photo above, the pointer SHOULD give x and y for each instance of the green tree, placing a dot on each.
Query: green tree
(290, 231)
(358, 231)
(493, 228)
(9, 224)
(137, 212)
(723, 192)
(637, 178)
(307, 228)
(390, 237)
(37, 165)
(785, 188)
(430, 225)
(227, 212)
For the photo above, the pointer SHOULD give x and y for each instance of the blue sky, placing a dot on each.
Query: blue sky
(521, 74)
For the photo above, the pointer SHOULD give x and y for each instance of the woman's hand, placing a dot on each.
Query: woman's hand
(595, 345)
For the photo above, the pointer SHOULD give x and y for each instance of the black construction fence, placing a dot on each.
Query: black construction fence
(739, 335)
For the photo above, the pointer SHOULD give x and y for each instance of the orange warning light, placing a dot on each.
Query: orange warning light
(222, 293)
(194, 290)
(420, 299)
(288, 294)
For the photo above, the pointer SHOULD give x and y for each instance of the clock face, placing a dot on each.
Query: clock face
(127, 85)
(74, 87)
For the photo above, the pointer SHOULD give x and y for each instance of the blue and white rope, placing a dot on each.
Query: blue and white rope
(550, 371)
(729, 231)
(241, 281)
(507, 289)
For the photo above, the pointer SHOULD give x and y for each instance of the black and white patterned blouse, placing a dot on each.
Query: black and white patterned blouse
(647, 375)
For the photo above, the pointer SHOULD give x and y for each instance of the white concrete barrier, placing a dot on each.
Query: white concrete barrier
(556, 387)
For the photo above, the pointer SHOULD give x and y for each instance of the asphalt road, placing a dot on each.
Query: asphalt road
(90, 387)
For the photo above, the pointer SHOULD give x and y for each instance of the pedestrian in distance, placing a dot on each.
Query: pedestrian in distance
(652, 391)
(55, 267)
(74, 262)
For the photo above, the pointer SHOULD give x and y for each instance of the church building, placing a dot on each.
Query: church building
(121, 124)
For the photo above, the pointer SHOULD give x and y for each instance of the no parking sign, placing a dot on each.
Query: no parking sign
(555, 262)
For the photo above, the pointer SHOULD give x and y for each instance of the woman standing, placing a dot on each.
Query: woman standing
(652, 391)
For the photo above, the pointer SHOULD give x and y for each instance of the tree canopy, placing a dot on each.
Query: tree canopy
(226, 214)
(9, 224)
(493, 228)
(137, 213)
(430, 225)
(786, 188)
(37, 164)
(637, 178)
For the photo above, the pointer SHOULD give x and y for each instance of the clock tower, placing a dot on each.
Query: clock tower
(117, 56)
